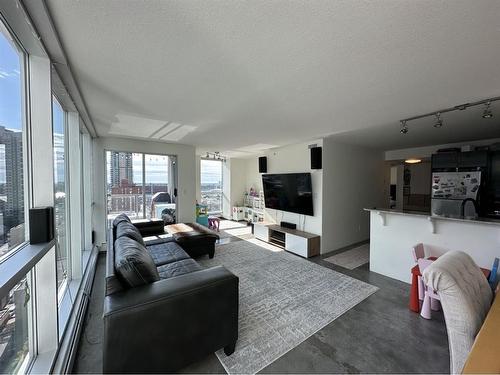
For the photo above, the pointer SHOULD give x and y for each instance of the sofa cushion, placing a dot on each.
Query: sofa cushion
(167, 252)
(178, 268)
(121, 218)
(125, 229)
(133, 263)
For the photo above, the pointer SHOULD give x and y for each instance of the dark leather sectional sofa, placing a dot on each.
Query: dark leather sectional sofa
(162, 310)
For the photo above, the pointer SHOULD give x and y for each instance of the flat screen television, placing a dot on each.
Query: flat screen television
(290, 192)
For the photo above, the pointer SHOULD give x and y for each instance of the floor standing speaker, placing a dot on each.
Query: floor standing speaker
(41, 224)
(263, 164)
(316, 159)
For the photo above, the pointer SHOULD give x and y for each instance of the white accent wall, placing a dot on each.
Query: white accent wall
(291, 159)
(186, 169)
(353, 178)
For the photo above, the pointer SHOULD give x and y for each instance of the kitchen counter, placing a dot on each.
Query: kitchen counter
(480, 220)
(393, 233)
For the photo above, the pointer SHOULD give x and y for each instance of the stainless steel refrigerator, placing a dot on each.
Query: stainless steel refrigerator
(454, 191)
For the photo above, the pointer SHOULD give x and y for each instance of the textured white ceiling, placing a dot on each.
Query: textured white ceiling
(234, 74)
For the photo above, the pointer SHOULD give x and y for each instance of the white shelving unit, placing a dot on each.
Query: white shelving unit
(253, 209)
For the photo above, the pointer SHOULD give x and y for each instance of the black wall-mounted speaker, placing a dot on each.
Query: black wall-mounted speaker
(263, 164)
(316, 158)
(41, 224)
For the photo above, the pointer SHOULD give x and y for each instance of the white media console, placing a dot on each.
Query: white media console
(295, 241)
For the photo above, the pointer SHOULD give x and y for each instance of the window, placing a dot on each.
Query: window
(12, 168)
(60, 200)
(124, 188)
(211, 185)
(141, 185)
(14, 319)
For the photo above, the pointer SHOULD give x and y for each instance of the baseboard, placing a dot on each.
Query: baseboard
(66, 354)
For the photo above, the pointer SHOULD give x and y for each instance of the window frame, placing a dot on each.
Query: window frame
(9, 34)
(105, 179)
(221, 212)
(67, 223)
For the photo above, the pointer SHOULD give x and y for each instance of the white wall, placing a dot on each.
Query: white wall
(354, 178)
(290, 159)
(226, 189)
(198, 178)
(238, 181)
(186, 169)
(391, 244)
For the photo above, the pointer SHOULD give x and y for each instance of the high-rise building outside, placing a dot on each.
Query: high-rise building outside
(121, 168)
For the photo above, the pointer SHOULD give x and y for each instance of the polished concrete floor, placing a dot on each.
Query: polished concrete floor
(379, 335)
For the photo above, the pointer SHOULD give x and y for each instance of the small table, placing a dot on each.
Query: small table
(415, 272)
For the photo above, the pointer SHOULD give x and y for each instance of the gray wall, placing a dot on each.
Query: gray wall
(354, 178)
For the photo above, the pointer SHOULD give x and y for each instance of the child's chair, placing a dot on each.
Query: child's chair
(430, 300)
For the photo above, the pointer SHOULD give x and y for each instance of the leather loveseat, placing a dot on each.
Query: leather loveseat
(162, 310)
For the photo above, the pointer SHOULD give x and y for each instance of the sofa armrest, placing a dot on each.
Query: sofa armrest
(149, 227)
(163, 326)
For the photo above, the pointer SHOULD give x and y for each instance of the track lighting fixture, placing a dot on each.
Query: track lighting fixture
(439, 122)
(215, 156)
(404, 127)
(487, 111)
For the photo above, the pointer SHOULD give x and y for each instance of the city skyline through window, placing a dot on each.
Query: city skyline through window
(211, 185)
(60, 201)
(14, 305)
(141, 185)
(12, 213)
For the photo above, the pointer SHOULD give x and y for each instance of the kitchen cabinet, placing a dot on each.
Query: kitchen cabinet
(445, 160)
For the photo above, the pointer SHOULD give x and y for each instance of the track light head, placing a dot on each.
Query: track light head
(487, 111)
(439, 122)
(404, 128)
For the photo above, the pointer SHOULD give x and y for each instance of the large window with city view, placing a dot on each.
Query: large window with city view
(141, 185)
(14, 304)
(60, 199)
(12, 200)
(211, 185)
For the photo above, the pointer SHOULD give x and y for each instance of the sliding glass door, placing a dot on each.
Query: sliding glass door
(141, 185)
(124, 184)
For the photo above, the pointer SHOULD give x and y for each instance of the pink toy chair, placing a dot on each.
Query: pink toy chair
(431, 299)
(427, 295)
(418, 252)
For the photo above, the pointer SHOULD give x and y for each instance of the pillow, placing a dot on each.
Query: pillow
(133, 263)
(120, 218)
(129, 230)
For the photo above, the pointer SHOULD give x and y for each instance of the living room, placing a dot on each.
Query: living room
(249, 186)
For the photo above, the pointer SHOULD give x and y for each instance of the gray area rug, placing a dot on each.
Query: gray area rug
(353, 258)
(284, 299)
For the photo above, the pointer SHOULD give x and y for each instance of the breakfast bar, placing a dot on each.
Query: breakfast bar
(393, 233)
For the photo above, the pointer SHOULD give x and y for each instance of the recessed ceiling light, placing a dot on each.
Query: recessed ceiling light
(413, 161)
